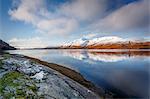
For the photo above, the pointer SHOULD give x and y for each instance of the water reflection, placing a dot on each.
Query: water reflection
(103, 55)
(123, 72)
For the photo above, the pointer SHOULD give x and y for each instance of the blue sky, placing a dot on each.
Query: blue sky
(43, 23)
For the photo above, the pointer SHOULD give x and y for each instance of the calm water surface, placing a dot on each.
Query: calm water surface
(119, 71)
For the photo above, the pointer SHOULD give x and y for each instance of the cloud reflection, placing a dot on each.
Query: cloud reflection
(104, 56)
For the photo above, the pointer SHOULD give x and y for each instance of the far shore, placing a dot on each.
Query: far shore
(130, 49)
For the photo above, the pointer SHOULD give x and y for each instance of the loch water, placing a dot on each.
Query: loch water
(123, 72)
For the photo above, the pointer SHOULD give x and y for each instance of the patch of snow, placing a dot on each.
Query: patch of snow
(99, 40)
(105, 40)
(80, 42)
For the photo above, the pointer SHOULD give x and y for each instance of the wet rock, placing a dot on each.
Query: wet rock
(2, 72)
(38, 76)
(23, 78)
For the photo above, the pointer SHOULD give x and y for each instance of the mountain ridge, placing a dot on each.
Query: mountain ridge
(110, 42)
(5, 46)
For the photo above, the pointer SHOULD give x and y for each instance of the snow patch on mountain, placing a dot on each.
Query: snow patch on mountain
(99, 40)
(78, 42)
(105, 40)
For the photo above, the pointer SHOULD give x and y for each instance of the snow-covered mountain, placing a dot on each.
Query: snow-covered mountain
(100, 40)
(78, 42)
(105, 42)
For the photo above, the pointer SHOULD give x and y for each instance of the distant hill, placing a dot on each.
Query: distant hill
(5, 46)
(111, 42)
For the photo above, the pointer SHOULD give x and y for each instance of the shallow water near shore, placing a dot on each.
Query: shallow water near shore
(122, 72)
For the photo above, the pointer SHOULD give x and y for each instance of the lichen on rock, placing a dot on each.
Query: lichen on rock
(15, 84)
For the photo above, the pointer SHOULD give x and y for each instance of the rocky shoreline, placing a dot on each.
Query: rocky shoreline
(22, 77)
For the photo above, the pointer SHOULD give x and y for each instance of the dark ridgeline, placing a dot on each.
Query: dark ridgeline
(5, 46)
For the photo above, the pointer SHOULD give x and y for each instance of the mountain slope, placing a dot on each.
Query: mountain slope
(5, 46)
(110, 42)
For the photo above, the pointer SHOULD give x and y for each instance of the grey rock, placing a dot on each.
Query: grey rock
(50, 83)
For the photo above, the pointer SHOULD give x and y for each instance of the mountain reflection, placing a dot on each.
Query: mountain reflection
(124, 72)
(104, 56)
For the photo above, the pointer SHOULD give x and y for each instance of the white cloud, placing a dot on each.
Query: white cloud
(57, 26)
(91, 35)
(36, 13)
(84, 10)
(65, 19)
(133, 16)
(78, 14)
(35, 42)
(27, 11)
